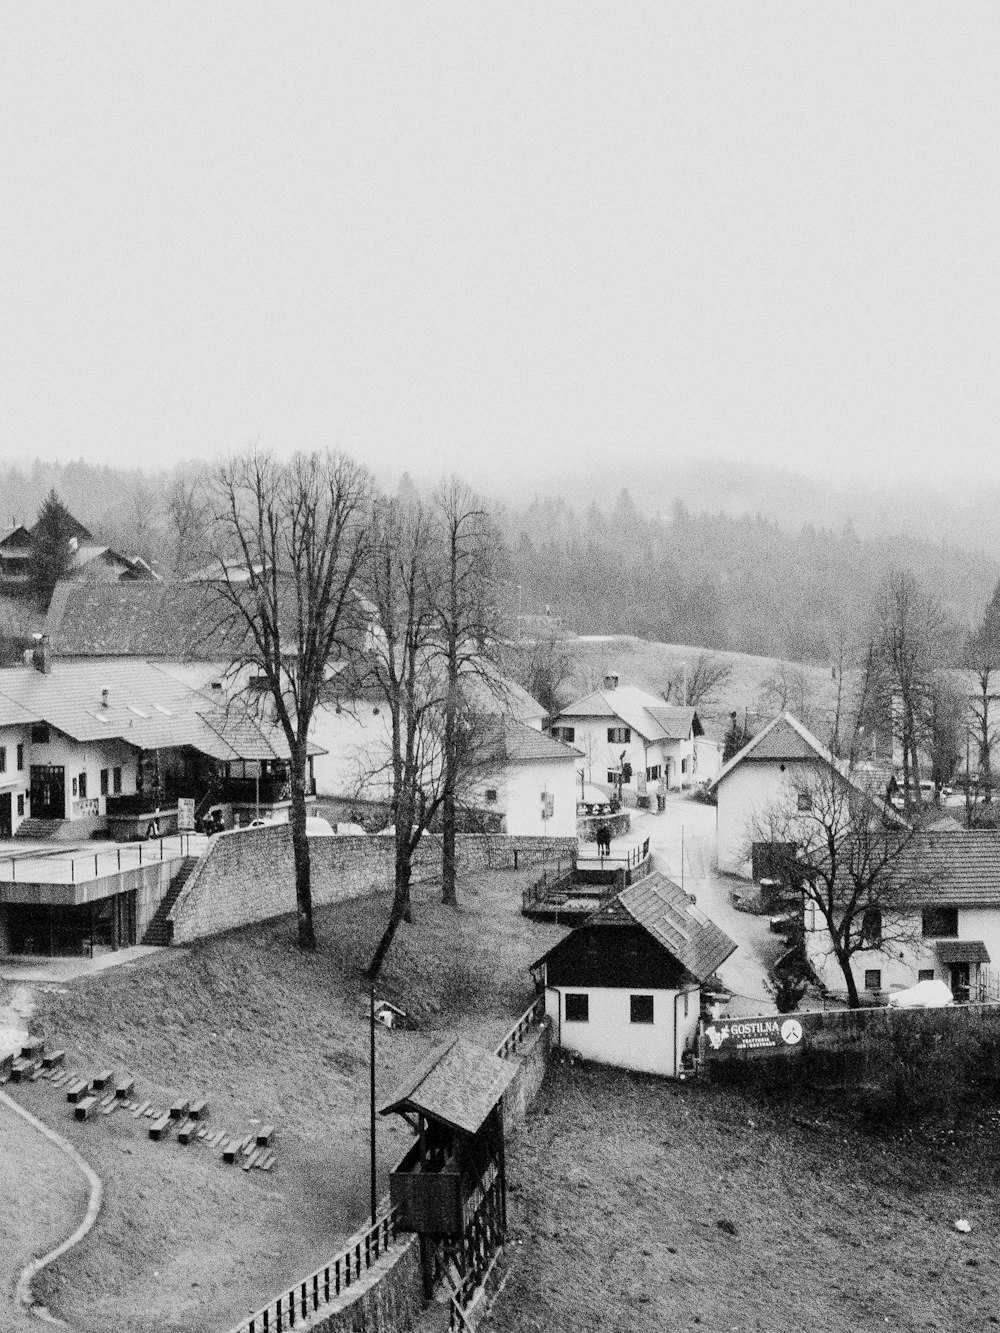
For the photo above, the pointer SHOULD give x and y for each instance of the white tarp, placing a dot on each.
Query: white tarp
(924, 995)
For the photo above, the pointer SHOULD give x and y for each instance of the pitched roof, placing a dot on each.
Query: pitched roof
(141, 618)
(962, 951)
(458, 1084)
(645, 713)
(783, 738)
(17, 542)
(487, 691)
(524, 744)
(664, 910)
(952, 869)
(678, 723)
(145, 707)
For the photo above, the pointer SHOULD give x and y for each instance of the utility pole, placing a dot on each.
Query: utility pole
(371, 1100)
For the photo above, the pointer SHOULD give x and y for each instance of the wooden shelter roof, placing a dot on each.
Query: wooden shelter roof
(458, 1084)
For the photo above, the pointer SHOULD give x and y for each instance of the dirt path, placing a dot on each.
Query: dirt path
(44, 1197)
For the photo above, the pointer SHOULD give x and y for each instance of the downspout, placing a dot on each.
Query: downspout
(677, 996)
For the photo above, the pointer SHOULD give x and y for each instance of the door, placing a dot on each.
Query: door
(6, 815)
(48, 791)
(960, 982)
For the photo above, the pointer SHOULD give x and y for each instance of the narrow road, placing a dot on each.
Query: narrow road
(690, 826)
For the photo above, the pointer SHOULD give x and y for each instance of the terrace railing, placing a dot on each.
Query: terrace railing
(552, 887)
(83, 867)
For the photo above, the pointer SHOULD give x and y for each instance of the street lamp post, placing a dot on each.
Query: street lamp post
(371, 1098)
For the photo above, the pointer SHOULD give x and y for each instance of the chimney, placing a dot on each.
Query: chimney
(611, 680)
(41, 657)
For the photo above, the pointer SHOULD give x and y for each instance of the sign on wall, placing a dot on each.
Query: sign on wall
(185, 814)
(746, 1034)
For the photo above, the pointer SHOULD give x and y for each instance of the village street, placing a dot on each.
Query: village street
(693, 825)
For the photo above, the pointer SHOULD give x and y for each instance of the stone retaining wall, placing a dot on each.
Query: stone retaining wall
(248, 874)
(619, 824)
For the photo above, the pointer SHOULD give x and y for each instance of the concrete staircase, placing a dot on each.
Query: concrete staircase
(160, 931)
(38, 830)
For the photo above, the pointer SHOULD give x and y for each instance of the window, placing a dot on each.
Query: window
(491, 795)
(925, 974)
(804, 801)
(640, 1008)
(20, 757)
(684, 765)
(104, 782)
(20, 804)
(653, 773)
(40, 733)
(83, 786)
(940, 923)
(567, 734)
(577, 1008)
(3, 759)
(871, 928)
(74, 786)
(873, 979)
(116, 780)
(619, 735)
(613, 776)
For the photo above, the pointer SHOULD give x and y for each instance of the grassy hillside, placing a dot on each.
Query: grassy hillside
(187, 1244)
(650, 665)
(642, 1206)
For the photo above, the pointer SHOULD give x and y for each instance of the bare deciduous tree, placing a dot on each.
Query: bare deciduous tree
(982, 658)
(465, 594)
(908, 634)
(188, 514)
(848, 859)
(398, 580)
(698, 682)
(292, 538)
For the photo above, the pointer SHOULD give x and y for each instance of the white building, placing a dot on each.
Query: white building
(624, 988)
(764, 775)
(15, 743)
(623, 729)
(948, 931)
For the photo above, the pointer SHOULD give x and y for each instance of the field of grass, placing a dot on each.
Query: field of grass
(642, 1206)
(186, 1243)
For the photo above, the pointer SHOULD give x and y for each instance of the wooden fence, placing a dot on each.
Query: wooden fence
(336, 1277)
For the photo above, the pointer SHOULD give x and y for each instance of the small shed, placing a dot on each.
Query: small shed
(625, 986)
(450, 1187)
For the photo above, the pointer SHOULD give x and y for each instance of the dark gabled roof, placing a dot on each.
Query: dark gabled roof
(17, 542)
(962, 951)
(665, 912)
(523, 744)
(458, 1084)
(664, 909)
(139, 618)
(951, 869)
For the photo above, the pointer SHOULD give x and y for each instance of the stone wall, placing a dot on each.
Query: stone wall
(248, 874)
(619, 824)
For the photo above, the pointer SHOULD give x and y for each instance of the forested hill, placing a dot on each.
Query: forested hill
(720, 580)
(735, 583)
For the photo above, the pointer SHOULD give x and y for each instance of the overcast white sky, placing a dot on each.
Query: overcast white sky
(522, 234)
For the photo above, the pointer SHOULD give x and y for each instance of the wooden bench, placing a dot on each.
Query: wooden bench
(179, 1109)
(101, 1080)
(186, 1131)
(124, 1087)
(199, 1110)
(32, 1050)
(264, 1136)
(53, 1058)
(160, 1127)
(84, 1107)
(77, 1090)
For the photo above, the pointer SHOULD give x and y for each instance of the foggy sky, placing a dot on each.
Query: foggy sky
(505, 237)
